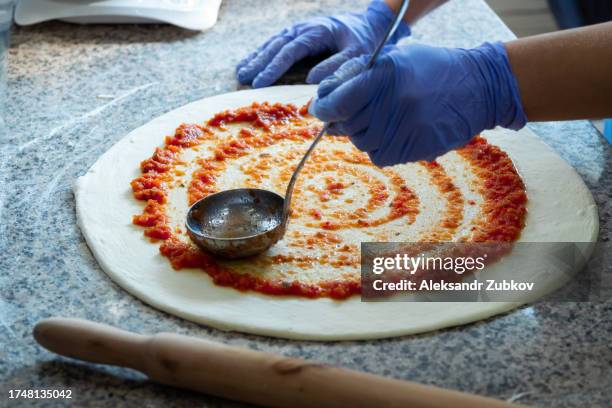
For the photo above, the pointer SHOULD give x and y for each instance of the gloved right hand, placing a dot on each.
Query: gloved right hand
(418, 102)
(348, 35)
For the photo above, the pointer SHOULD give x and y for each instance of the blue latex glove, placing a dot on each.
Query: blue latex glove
(418, 102)
(348, 35)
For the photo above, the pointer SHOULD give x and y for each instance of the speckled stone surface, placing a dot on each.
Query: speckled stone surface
(74, 91)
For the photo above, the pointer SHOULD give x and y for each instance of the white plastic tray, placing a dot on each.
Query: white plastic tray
(189, 14)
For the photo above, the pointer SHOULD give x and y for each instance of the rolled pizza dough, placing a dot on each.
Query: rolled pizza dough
(560, 209)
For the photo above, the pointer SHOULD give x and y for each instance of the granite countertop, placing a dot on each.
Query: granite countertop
(75, 90)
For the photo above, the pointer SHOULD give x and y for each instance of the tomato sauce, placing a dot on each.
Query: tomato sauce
(505, 198)
(261, 115)
(503, 208)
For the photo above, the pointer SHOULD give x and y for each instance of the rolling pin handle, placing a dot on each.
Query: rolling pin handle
(93, 342)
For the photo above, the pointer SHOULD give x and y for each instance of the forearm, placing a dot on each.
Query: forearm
(416, 9)
(566, 74)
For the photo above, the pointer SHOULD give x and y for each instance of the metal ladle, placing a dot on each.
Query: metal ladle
(246, 221)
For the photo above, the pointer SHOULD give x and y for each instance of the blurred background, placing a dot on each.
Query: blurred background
(525, 17)
(530, 17)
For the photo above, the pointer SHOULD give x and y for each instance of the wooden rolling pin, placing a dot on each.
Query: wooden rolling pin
(241, 374)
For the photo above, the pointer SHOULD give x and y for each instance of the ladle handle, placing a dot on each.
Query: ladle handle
(294, 176)
(390, 30)
(289, 192)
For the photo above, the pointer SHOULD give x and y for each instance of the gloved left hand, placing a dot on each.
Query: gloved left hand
(417, 102)
(348, 35)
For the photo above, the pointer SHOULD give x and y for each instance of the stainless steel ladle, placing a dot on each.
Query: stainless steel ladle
(246, 221)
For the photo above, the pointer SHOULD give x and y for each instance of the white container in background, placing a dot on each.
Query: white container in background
(189, 14)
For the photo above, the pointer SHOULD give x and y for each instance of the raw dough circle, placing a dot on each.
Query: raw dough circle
(560, 209)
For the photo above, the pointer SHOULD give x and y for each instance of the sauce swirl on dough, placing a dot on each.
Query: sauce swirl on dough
(339, 191)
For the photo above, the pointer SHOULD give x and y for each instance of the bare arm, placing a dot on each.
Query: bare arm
(416, 9)
(566, 74)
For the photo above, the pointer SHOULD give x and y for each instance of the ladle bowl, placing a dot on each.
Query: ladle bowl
(236, 223)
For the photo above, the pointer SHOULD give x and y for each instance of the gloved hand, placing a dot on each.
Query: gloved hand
(348, 35)
(418, 102)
